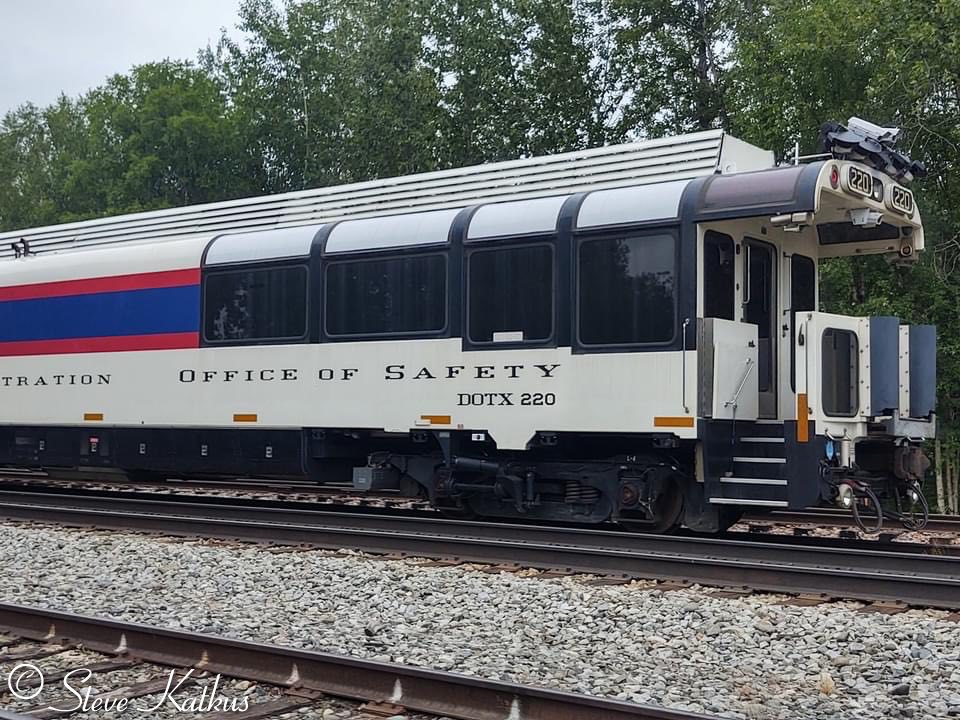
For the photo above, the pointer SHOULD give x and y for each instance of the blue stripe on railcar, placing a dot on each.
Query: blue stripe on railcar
(129, 312)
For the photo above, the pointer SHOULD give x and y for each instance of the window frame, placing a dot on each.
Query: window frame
(254, 266)
(855, 367)
(793, 312)
(510, 244)
(381, 256)
(708, 236)
(619, 233)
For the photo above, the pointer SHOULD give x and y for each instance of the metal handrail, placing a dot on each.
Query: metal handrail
(743, 381)
(683, 388)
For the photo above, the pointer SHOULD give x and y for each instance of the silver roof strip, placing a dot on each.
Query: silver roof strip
(677, 158)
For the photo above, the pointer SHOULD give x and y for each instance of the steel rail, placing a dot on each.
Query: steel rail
(923, 580)
(415, 689)
(829, 517)
(873, 554)
(332, 509)
(824, 517)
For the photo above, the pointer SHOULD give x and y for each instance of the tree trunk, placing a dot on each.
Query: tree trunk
(704, 111)
(955, 484)
(938, 471)
(953, 480)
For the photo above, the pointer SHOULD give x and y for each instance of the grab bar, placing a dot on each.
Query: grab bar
(686, 323)
(743, 381)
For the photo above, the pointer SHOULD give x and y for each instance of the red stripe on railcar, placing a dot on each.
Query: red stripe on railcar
(119, 343)
(113, 283)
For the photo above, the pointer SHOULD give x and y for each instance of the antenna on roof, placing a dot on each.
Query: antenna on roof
(21, 248)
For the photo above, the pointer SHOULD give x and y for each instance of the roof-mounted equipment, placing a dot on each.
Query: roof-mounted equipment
(863, 141)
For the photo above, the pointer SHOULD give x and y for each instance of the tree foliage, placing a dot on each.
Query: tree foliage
(160, 136)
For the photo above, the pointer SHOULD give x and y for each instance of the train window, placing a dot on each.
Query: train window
(840, 356)
(253, 305)
(718, 276)
(390, 296)
(803, 283)
(803, 296)
(511, 294)
(626, 290)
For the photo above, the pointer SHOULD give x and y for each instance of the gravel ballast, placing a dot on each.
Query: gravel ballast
(748, 657)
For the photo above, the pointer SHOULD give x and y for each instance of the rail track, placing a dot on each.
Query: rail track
(343, 495)
(916, 575)
(827, 517)
(333, 504)
(305, 676)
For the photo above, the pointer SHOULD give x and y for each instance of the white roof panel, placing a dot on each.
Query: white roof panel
(262, 245)
(621, 206)
(129, 259)
(425, 228)
(520, 217)
(641, 163)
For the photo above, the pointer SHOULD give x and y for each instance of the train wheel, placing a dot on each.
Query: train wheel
(667, 511)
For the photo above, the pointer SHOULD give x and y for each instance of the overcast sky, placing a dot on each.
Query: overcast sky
(53, 46)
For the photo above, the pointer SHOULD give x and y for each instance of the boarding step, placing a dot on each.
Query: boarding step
(739, 501)
(746, 464)
(754, 467)
(762, 460)
(749, 490)
(759, 429)
(753, 481)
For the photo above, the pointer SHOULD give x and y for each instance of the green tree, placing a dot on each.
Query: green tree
(37, 149)
(168, 136)
(160, 136)
(334, 90)
(672, 56)
(566, 87)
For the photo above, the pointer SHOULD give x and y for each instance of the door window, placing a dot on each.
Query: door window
(840, 354)
(803, 297)
(759, 305)
(718, 276)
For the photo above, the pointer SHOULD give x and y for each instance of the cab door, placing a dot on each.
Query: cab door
(759, 307)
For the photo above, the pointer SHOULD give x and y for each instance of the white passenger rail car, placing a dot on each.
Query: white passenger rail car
(627, 334)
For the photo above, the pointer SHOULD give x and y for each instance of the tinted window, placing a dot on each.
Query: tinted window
(626, 290)
(767, 187)
(718, 276)
(759, 307)
(840, 373)
(844, 232)
(511, 292)
(393, 295)
(803, 283)
(250, 305)
(803, 296)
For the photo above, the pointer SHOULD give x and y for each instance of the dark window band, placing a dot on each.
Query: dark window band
(627, 290)
(255, 305)
(389, 296)
(511, 294)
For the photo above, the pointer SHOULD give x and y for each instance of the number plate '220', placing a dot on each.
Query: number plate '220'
(859, 181)
(901, 200)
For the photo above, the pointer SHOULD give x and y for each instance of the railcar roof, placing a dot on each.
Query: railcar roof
(649, 162)
(128, 259)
